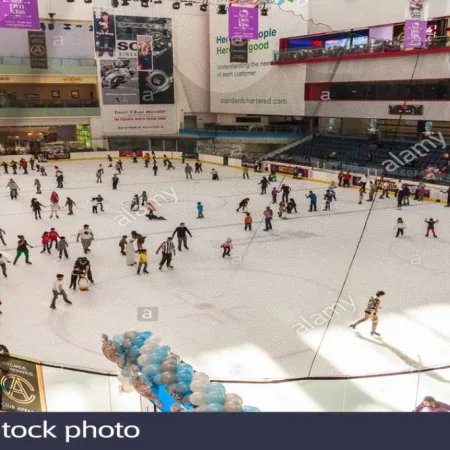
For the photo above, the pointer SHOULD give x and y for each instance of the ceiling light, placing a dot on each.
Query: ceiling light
(144, 3)
(67, 26)
(114, 3)
(43, 27)
(176, 5)
(125, 2)
(221, 9)
(204, 7)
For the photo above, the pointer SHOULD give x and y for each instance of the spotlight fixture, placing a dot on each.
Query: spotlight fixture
(43, 27)
(188, 3)
(87, 1)
(157, 2)
(70, 1)
(67, 26)
(79, 26)
(125, 2)
(176, 5)
(221, 9)
(114, 3)
(204, 7)
(264, 11)
(144, 3)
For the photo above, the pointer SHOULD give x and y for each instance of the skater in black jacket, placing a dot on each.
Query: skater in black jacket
(181, 232)
(36, 207)
(115, 182)
(264, 183)
(70, 204)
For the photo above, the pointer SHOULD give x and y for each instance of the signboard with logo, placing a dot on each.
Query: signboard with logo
(137, 73)
(21, 385)
(243, 23)
(238, 51)
(38, 50)
(415, 33)
(22, 14)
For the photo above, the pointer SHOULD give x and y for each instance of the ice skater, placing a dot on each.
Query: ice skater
(182, 232)
(291, 206)
(200, 210)
(264, 183)
(274, 195)
(142, 261)
(5, 167)
(168, 250)
(45, 243)
(243, 204)
(248, 222)
(188, 171)
(139, 238)
(155, 169)
(122, 245)
(227, 246)
(22, 248)
(37, 183)
(371, 312)
(70, 204)
(312, 201)
(13, 188)
(385, 190)
(59, 290)
(431, 223)
(118, 167)
(99, 174)
(53, 237)
(37, 208)
(268, 215)
(94, 203)
(130, 253)
(54, 208)
(62, 247)
(43, 171)
(286, 191)
(332, 189)
(170, 165)
(134, 203)
(215, 174)
(3, 261)
(85, 268)
(448, 197)
(74, 276)
(400, 227)
(328, 198)
(245, 173)
(144, 198)
(115, 182)
(60, 180)
(87, 236)
(2, 232)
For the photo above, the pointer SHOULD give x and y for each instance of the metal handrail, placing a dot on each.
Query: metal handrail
(25, 61)
(380, 46)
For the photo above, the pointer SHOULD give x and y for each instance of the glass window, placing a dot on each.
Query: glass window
(170, 145)
(157, 145)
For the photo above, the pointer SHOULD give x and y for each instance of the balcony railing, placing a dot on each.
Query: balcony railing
(52, 62)
(48, 103)
(377, 47)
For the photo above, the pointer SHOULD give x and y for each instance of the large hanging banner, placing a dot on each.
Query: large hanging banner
(19, 14)
(415, 34)
(37, 45)
(21, 385)
(136, 73)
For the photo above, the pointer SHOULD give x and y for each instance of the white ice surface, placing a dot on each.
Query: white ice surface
(236, 318)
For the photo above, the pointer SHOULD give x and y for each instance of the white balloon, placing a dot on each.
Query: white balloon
(127, 388)
(200, 408)
(198, 398)
(123, 380)
(233, 398)
(145, 349)
(200, 376)
(232, 407)
(198, 386)
(153, 342)
(143, 360)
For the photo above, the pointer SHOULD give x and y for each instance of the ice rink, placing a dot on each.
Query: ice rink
(266, 313)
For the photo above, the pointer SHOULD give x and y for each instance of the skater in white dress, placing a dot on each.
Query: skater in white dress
(131, 255)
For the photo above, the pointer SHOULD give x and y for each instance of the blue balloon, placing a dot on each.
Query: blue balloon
(157, 380)
(134, 351)
(184, 376)
(182, 388)
(125, 373)
(214, 407)
(145, 335)
(155, 359)
(138, 341)
(250, 409)
(118, 339)
(151, 370)
(215, 387)
(163, 350)
(215, 397)
(183, 367)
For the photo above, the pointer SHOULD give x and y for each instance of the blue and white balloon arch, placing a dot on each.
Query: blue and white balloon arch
(160, 376)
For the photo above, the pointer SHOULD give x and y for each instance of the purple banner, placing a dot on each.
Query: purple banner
(243, 23)
(19, 14)
(415, 33)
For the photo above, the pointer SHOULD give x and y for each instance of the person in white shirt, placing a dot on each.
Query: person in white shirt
(363, 182)
(398, 187)
(332, 189)
(87, 237)
(58, 290)
(385, 189)
(3, 262)
(400, 227)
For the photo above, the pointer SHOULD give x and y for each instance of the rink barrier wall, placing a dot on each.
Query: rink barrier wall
(318, 176)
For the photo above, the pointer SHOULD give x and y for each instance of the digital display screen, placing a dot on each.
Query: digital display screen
(304, 43)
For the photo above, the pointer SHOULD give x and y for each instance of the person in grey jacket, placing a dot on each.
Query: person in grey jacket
(62, 247)
(3, 262)
(188, 170)
(37, 183)
(13, 188)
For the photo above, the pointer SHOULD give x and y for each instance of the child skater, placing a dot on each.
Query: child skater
(83, 283)
(227, 246)
(361, 195)
(135, 202)
(328, 197)
(400, 227)
(200, 210)
(76, 272)
(248, 222)
(430, 227)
